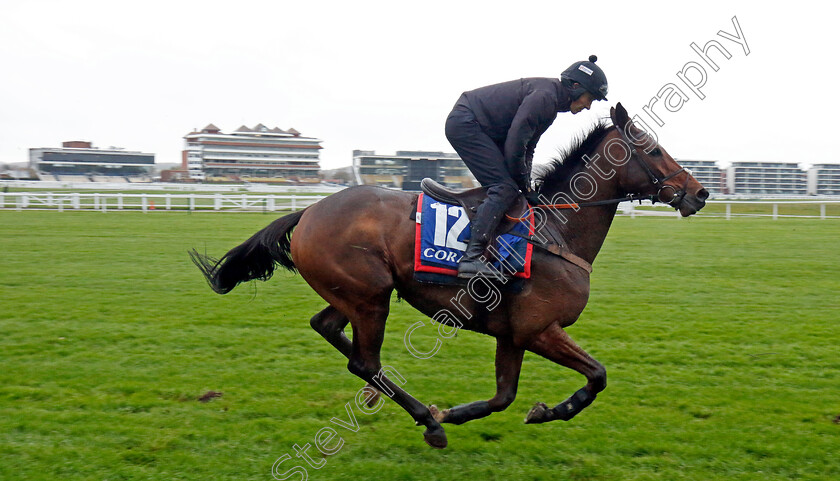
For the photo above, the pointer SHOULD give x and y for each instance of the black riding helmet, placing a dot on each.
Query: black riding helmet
(590, 77)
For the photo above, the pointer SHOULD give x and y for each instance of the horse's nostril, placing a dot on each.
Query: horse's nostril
(702, 194)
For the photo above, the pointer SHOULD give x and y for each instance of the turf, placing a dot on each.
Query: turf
(720, 340)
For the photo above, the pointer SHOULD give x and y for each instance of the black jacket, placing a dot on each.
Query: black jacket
(515, 114)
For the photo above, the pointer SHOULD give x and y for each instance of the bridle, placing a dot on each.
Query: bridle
(678, 195)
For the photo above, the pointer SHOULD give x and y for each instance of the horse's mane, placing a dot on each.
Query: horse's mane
(561, 166)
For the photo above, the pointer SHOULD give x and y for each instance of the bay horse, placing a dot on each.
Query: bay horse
(356, 247)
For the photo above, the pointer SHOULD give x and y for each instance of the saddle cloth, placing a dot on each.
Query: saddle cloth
(443, 231)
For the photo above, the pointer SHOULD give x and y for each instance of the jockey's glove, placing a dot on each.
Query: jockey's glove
(533, 197)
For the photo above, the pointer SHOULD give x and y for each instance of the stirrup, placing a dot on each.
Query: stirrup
(471, 268)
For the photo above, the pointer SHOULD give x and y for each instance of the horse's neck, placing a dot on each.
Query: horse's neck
(586, 229)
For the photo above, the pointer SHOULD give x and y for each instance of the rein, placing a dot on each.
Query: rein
(628, 197)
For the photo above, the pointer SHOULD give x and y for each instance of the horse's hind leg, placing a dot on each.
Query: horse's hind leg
(368, 334)
(508, 366)
(555, 344)
(330, 324)
(363, 354)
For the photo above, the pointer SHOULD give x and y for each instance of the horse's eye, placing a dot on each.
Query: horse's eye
(655, 152)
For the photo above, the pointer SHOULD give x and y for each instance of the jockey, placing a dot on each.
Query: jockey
(495, 129)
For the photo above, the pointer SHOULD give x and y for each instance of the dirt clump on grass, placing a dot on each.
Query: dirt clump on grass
(209, 395)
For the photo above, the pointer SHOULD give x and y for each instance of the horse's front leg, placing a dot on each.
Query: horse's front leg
(508, 366)
(555, 344)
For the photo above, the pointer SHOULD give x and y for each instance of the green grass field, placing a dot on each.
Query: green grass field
(719, 337)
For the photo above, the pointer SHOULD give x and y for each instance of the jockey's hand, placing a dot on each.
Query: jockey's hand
(533, 198)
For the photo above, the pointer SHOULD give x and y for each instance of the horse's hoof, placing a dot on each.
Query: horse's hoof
(537, 414)
(435, 438)
(373, 399)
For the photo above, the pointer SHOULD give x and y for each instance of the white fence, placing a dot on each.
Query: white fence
(807, 209)
(105, 202)
(253, 188)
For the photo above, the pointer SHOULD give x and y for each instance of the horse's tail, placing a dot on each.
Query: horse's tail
(255, 258)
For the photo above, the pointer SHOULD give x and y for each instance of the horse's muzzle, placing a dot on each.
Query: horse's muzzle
(689, 204)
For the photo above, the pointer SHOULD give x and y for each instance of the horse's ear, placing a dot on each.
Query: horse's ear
(619, 116)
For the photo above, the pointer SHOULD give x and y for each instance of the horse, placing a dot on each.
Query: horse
(356, 247)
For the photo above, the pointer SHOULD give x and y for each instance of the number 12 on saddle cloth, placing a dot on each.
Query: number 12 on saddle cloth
(442, 234)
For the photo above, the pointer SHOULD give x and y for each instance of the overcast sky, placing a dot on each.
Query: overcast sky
(383, 75)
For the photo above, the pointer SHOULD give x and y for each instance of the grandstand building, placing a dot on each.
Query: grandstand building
(778, 178)
(824, 179)
(707, 173)
(257, 154)
(78, 161)
(406, 168)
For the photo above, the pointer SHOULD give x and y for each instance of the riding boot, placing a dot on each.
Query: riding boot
(481, 233)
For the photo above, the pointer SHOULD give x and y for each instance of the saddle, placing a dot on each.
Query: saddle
(470, 199)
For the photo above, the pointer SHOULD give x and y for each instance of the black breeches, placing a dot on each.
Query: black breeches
(483, 157)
